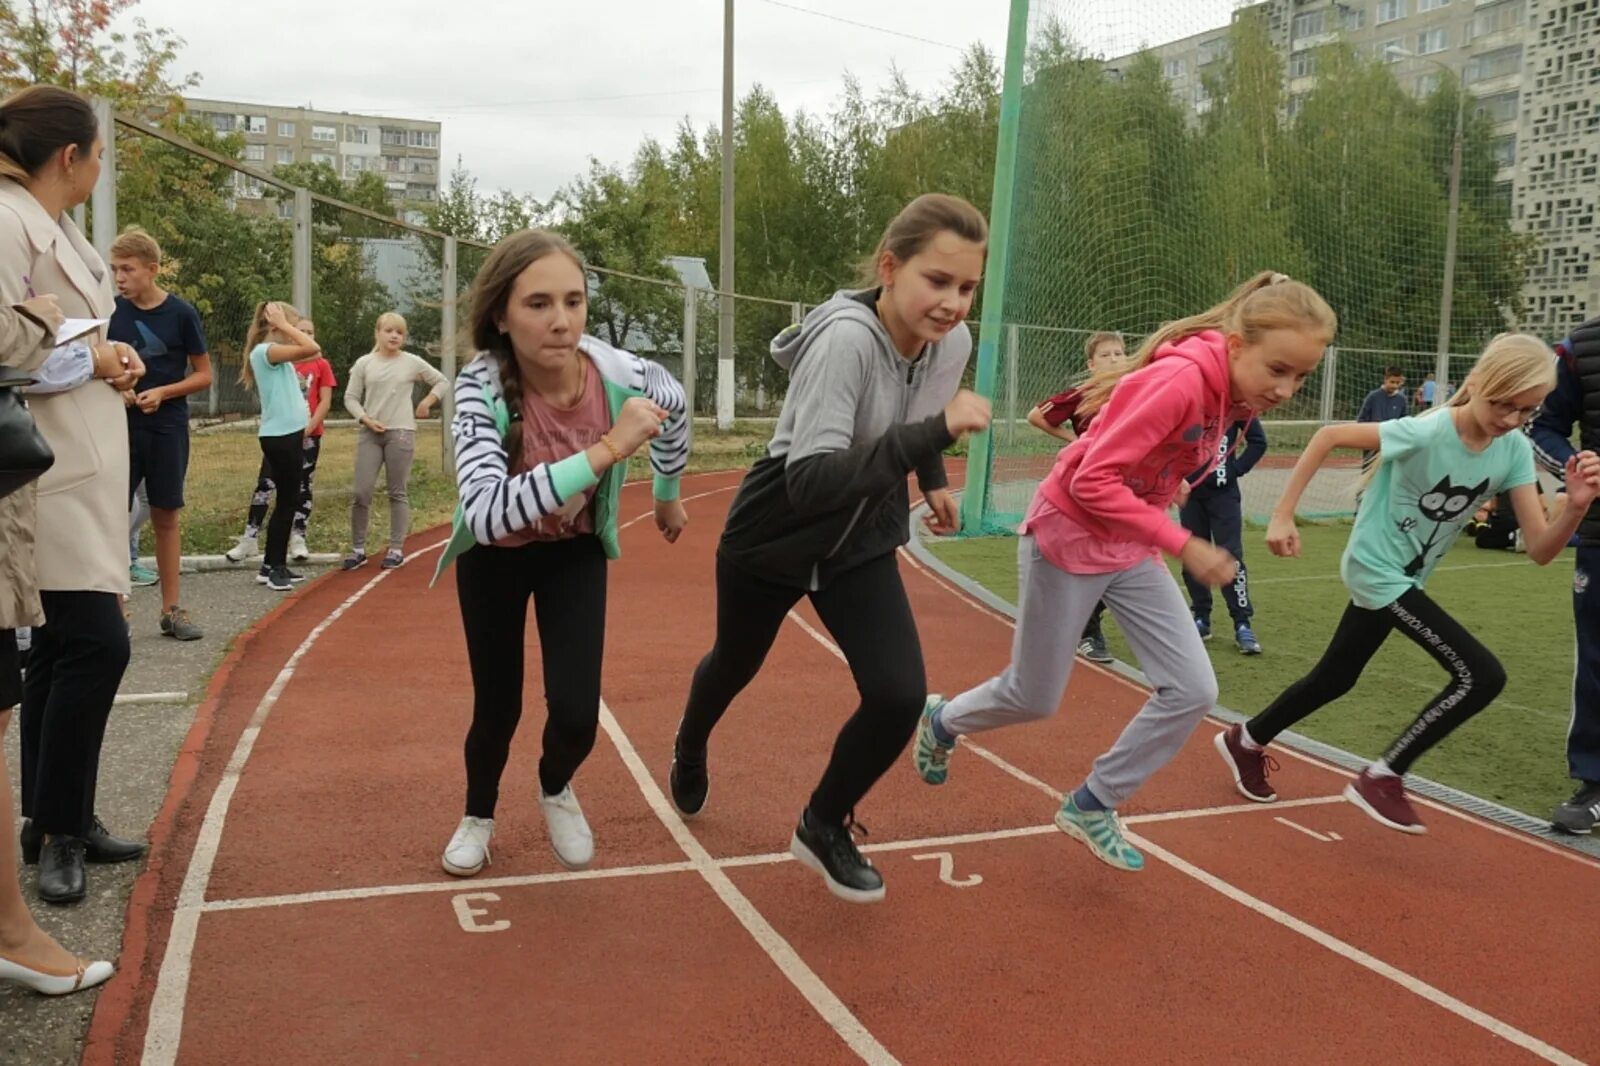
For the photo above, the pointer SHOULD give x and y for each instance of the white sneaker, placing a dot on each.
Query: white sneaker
(569, 833)
(245, 549)
(298, 552)
(468, 850)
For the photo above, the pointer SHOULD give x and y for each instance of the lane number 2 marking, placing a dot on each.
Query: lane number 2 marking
(947, 865)
(468, 915)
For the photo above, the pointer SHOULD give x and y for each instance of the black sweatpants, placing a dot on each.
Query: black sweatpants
(1219, 518)
(567, 582)
(869, 617)
(76, 664)
(1583, 737)
(283, 456)
(1476, 676)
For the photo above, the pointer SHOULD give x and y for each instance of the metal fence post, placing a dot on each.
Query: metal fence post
(104, 197)
(447, 351)
(691, 324)
(301, 291)
(1330, 374)
(1013, 352)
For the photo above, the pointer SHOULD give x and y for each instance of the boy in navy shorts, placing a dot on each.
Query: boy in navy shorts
(167, 334)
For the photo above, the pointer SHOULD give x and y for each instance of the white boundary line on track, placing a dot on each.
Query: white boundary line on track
(165, 1027)
(340, 895)
(805, 980)
(1415, 985)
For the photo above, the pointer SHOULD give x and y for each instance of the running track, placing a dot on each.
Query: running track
(294, 909)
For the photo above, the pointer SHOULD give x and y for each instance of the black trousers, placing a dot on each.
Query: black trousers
(283, 456)
(311, 448)
(76, 664)
(869, 617)
(1219, 518)
(1583, 738)
(567, 581)
(1476, 676)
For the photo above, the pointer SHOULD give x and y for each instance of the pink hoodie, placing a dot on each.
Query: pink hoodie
(1104, 505)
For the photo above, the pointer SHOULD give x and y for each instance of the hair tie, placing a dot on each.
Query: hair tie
(1278, 279)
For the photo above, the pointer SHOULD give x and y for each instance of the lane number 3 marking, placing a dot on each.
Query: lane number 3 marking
(468, 915)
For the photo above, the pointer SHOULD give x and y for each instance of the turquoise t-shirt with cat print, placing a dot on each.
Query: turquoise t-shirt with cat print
(283, 395)
(1428, 485)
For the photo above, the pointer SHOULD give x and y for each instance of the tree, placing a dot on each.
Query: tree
(70, 43)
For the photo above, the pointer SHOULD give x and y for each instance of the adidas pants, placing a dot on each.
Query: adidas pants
(1150, 610)
(1476, 676)
(1219, 518)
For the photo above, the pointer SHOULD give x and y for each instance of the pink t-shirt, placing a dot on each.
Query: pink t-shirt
(550, 434)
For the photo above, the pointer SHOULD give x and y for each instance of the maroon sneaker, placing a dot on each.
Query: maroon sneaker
(1384, 799)
(1249, 768)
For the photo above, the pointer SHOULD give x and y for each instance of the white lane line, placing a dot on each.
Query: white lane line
(1311, 932)
(172, 982)
(687, 499)
(1240, 808)
(1308, 832)
(822, 999)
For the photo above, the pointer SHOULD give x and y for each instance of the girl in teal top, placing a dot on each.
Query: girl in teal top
(275, 341)
(1433, 471)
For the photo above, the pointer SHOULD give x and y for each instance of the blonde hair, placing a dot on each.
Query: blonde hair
(1511, 364)
(388, 318)
(261, 330)
(135, 243)
(1266, 302)
(918, 223)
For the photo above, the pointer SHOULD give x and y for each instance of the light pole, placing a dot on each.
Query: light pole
(725, 366)
(1441, 365)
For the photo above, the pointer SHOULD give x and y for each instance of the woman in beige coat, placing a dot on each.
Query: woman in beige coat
(49, 162)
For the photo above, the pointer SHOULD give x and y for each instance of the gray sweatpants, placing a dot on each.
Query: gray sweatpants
(393, 450)
(1150, 609)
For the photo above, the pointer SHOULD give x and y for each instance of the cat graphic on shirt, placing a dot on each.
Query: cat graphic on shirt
(1445, 505)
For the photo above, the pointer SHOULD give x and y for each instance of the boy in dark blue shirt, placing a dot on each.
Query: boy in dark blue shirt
(1383, 404)
(167, 334)
(1214, 512)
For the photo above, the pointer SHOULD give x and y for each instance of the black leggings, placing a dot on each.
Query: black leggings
(567, 580)
(867, 613)
(76, 664)
(283, 456)
(1476, 676)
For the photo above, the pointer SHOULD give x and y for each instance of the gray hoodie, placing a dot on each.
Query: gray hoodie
(858, 418)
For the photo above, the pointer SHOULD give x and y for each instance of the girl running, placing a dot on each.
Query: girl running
(1433, 471)
(1097, 527)
(274, 343)
(872, 396)
(378, 394)
(318, 381)
(546, 418)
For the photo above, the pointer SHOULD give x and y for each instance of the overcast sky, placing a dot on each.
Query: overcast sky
(527, 92)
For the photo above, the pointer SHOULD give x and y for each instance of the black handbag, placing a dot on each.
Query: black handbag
(24, 453)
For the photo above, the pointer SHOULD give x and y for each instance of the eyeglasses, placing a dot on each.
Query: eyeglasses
(1502, 408)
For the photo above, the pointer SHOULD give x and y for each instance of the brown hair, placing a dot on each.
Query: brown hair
(491, 290)
(1266, 302)
(135, 243)
(261, 330)
(918, 223)
(1095, 340)
(38, 122)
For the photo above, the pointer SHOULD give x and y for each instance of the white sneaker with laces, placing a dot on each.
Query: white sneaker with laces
(468, 850)
(569, 832)
(245, 549)
(298, 552)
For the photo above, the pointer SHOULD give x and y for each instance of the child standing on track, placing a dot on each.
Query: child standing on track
(1097, 528)
(1064, 417)
(275, 342)
(379, 396)
(546, 417)
(318, 381)
(873, 395)
(1432, 472)
(1214, 511)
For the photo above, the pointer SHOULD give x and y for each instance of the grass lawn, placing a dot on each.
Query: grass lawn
(1513, 753)
(223, 464)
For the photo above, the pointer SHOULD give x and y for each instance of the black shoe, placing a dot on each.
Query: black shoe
(831, 851)
(1580, 813)
(29, 841)
(101, 847)
(264, 576)
(689, 783)
(62, 878)
(280, 579)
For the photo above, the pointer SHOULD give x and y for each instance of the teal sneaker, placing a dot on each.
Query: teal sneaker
(1099, 830)
(931, 758)
(141, 577)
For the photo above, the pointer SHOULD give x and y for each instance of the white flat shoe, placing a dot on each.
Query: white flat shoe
(468, 850)
(569, 831)
(87, 975)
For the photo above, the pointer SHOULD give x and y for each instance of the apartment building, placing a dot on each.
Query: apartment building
(1533, 69)
(403, 151)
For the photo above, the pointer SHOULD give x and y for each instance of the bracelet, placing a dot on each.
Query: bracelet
(616, 453)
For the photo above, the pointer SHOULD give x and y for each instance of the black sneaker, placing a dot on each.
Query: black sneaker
(1093, 648)
(831, 851)
(280, 579)
(1580, 813)
(689, 782)
(264, 575)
